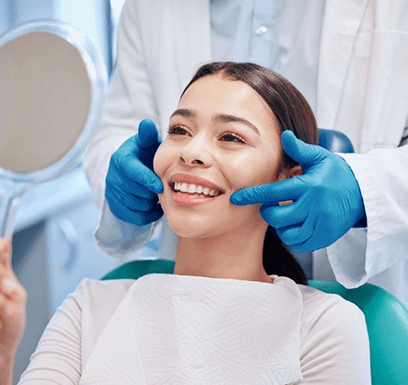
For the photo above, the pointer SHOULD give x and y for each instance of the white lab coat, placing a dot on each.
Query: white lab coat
(362, 91)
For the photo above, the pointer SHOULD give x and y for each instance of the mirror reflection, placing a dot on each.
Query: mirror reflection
(44, 102)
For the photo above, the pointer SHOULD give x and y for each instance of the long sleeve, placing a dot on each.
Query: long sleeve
(57, 359)
(129, 100)
(70, 336)
(363, 92)
(364, 254)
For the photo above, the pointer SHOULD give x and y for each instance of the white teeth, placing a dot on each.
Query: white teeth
(193, 189)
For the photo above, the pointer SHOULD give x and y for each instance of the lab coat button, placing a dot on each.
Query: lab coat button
(260, 31)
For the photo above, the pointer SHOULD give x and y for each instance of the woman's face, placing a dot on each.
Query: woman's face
(222, 137)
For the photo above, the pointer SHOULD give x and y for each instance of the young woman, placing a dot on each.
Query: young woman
(237, 309)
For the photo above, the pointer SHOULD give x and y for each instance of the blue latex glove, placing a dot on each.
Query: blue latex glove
(131, 184)
(327, 200)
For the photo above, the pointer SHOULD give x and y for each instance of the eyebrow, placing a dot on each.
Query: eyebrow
(184, 112)
(221, 118)
(224, 118)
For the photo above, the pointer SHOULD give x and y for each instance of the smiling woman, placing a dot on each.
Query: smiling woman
(225, 136)
(225, 316)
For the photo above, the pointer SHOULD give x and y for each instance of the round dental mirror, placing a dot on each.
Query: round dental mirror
(52, 84)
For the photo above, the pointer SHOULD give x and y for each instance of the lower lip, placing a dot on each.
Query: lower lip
(186, 199)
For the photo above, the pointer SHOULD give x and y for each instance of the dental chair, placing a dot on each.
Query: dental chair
(386, 316)
(335, 141)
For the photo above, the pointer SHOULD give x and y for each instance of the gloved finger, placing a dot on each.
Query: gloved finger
(131, 195)
(117, 185)
(293, 235)
(142, 193)
(307, 246)
(304, 153)
(270, 194)
(141, 174)
(313, 244)
(131, 202)
(323, 236)
(283, 216)
(135, 217)
(135, 189)
(148, 135)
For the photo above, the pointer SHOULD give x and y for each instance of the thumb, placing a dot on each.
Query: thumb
(303, 153)
(5, 251)
(148, 135)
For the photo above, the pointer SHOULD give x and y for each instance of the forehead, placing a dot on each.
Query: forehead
(217, 94)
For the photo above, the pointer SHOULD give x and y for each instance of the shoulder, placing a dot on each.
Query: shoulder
(334, 339)
(93, 302)
(73, 331)
(322, 307)
(96, 302)
(100, 296)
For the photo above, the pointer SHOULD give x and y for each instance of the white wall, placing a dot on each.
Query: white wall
(91, 17)
(14, 12)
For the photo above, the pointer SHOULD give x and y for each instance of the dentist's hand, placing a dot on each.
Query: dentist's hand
(131, 184)
(327, 200)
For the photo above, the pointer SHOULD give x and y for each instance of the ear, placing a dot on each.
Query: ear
(290, 172)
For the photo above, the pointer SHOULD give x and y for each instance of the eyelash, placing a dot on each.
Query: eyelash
(237, 138)
(175, 130)
(178, 130)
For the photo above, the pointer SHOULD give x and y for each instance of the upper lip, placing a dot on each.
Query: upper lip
(192, 179)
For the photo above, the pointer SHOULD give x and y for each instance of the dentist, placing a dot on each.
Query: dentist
(350, 61)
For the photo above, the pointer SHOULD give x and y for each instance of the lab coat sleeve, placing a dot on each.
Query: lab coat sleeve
(361, 254)
(335, 345)
(129, 100)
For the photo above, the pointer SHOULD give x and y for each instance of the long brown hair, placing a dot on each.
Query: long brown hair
(293, 113)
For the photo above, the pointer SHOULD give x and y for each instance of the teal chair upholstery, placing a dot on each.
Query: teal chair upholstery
(335, 141)
(387, 325)
(136, 269)
(386, 318)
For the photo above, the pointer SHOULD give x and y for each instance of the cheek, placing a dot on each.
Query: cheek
(254, 169)
(161, 160)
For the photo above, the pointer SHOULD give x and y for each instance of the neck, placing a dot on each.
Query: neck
(236, 255)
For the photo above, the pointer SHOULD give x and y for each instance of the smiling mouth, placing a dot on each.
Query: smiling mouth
(195, 190)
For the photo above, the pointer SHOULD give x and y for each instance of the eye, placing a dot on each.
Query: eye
(177, 130)
(232, 137)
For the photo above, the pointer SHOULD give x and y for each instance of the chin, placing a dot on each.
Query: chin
(185, 226)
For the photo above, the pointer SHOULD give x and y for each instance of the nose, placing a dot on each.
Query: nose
(197, 152)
